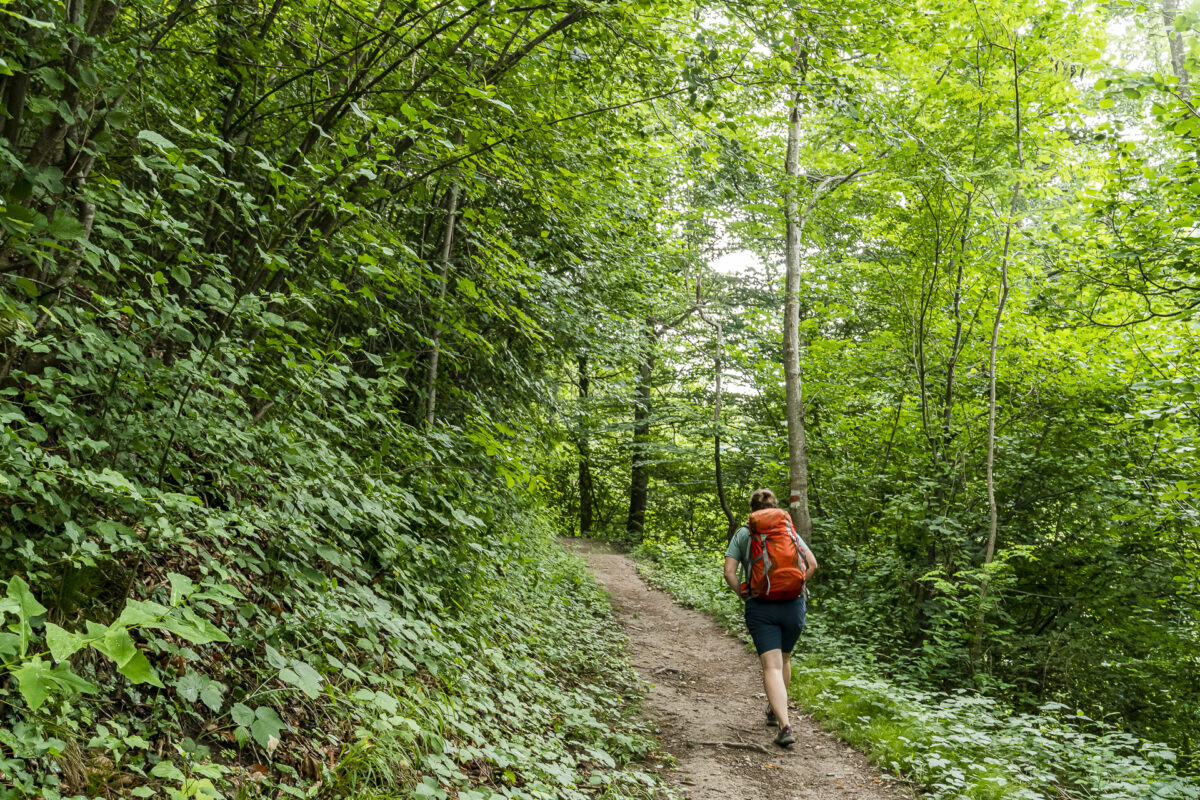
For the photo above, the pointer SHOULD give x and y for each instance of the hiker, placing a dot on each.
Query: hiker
(777, 563)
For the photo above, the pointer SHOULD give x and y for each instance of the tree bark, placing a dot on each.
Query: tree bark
(992, 348)
(718, 365)
(733, 523)
(797, 446)
(444, 277)
(639, 474)
(1175, 41)
(993, 515)
(586, 490)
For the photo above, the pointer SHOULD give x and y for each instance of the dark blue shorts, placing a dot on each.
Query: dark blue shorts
(775, 625)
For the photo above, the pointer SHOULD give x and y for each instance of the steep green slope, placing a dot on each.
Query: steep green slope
(284, 293)
(342, 683)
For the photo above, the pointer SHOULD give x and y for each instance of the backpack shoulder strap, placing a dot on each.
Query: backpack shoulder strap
(798, 543)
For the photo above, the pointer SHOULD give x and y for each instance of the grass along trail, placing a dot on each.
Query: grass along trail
(706, 699)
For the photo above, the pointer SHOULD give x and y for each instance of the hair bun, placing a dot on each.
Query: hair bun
(762, 498)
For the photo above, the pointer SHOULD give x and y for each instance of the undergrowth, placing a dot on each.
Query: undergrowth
(961, 745)
(478, 662)
(535, 700)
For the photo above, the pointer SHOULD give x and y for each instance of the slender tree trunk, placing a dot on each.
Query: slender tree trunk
(991, 438)
(814, 478)
(956, 346)
(444, 275)
(797, 447)
(586, 491)
(993, 515)
(639, 476)
(718, 365)
(1178, 56)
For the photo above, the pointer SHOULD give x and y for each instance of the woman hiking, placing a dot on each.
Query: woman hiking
(777, 563)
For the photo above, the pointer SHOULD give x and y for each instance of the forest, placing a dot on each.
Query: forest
(322, 321)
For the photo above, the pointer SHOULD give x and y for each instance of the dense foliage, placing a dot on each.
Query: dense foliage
(316, 317)
(283, 291)
(1004, 180)
(956, 744)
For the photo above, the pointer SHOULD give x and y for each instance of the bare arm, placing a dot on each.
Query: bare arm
(811, 561)
(731, 565)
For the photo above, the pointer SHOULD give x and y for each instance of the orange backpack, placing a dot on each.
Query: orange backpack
(777, 562)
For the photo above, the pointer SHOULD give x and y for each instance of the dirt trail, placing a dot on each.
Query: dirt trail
(707, 701)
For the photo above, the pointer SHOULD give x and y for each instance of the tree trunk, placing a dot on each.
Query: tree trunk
(718, 364)
(991, 438)
(586, 492)
(956, 346)
(444, 274)
(1175, 41)
(993, 516)
(639, 477)
(797, 447)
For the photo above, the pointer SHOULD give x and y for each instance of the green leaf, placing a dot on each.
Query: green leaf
(28, 610)
(117, 644)
(429, 788)
(28, 287)
(194, 629)
(65, 227)
(37, 681)
(30, 21)
(181, 275)
(242, 715)
(110, 477)
(71, 683)
(303, 677)
(266, 726)
(27, 605)
(10, 645)
(190, 686)
(181, 587)
(138, 670)
(275, 658)
(213, 696)
(62, 643)
(140, 613)
(156, 139)
(167, 771)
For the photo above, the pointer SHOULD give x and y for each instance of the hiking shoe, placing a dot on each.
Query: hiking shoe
(771, 721)
(785, 737)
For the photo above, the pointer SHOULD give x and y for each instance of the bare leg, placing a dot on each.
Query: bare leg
(787, 673)
(773, 682)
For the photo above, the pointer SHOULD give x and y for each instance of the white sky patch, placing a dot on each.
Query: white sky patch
(737, 262)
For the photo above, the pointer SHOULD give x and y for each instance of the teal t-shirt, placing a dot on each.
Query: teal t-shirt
(739, 547)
